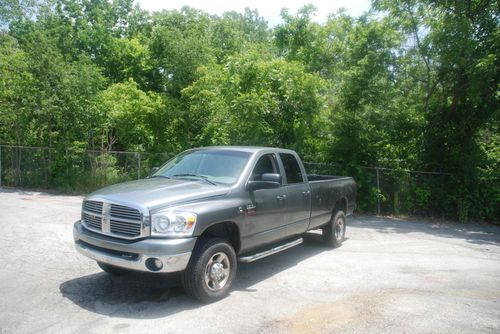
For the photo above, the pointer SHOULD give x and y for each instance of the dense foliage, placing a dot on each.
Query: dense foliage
(412, 84)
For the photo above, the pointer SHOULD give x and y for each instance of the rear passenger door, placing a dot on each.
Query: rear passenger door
(298, 195)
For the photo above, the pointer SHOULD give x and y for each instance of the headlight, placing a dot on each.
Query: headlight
(172, 223)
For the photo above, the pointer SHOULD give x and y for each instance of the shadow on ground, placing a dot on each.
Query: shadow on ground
(142, 295)
(479, 234)
(148, 296)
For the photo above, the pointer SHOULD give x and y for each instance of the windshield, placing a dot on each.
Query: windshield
(219, 166)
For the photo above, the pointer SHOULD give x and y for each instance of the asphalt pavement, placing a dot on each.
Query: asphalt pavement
(389, 276)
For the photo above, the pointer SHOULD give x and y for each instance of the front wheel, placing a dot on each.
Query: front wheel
(334, 231)
(211, 270)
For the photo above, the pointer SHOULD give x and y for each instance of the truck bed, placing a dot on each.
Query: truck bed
(327, 192)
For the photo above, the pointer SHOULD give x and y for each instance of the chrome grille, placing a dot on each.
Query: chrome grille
(129, 229)
(93, 206)
(113, 219)
(124, 212)
(92, 221)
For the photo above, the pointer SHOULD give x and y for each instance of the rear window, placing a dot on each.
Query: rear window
(292, 168)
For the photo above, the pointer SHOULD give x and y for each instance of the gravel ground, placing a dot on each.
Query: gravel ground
(389, 276)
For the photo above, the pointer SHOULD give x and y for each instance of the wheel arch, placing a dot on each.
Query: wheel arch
(227, 230)
(340, 204)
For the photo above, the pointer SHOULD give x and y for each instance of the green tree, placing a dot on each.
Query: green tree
(411, 84)
(132, 119)
(456, 43)
(255, 101)
(299, 38)
(179, 45)
(17, 90)
(234, 33)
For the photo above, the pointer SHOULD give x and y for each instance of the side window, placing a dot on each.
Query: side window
(266, 164)
(292, 168)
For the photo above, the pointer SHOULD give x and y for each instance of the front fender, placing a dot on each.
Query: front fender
(215, 211)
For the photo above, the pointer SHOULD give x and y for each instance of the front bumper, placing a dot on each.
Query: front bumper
(174, 254)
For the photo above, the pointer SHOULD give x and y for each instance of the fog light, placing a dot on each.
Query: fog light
(158, 263)
(154, 264)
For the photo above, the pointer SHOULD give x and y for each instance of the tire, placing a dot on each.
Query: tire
(211, 270)
(334, 231)
(113, 270)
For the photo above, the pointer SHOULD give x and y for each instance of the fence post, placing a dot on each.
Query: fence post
(138, 165)
(378, 191)
(18, 167)
(66, 163)
(0, 166)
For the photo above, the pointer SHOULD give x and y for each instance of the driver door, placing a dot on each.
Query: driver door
(265, 212)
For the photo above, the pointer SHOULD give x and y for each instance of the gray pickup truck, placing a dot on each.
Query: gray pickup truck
(208, 208)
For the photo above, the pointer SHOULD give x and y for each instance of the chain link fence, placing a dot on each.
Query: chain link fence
(380, 190)
(72, 170)
(390, 190)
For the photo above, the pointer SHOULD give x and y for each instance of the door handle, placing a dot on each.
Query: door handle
(306, 193)
(281, 197)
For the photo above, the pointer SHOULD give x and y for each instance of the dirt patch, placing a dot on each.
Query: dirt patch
(358, 311)
(331, 317)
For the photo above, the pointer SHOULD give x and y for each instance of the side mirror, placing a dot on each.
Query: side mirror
(269, 181)
(153, 170)
(271, 177)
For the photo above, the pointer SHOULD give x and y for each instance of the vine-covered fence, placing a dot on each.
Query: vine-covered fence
(381, 190)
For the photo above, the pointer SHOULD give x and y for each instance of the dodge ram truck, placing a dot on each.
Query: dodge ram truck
(209, 208)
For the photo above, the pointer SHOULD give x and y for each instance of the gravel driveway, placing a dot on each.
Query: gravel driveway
(389, 276)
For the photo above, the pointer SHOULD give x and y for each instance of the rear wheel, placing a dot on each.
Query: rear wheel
(211, 270)
(113, 270)
(334, 231)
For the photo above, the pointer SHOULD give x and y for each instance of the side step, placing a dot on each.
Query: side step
(277, 249)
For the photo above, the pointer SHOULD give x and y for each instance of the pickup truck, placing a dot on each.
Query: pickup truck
(209, 208)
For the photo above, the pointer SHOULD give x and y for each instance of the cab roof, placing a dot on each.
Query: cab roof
(249, 149)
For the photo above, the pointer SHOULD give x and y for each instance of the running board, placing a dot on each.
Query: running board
(277, 249)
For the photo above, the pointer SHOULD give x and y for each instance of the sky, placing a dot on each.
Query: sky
(269, 9)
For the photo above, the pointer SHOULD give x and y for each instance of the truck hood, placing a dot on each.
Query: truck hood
(157, 193)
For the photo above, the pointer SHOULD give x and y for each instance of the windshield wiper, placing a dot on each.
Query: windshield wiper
(202, 177)
(164, 176)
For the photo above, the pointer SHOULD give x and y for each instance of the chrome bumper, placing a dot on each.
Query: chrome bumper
(173, 253)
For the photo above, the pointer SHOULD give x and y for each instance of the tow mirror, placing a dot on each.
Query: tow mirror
(268, 181)
(271, 177)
